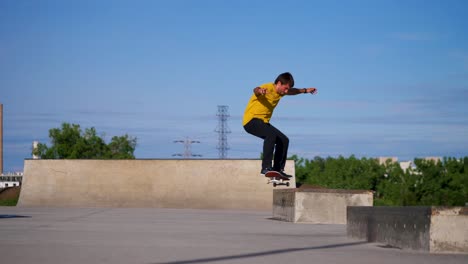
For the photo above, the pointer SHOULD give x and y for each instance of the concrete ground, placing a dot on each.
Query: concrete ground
(125, 235)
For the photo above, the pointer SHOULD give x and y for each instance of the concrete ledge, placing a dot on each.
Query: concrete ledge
(317, 206)
(433, 229)
(201, 184)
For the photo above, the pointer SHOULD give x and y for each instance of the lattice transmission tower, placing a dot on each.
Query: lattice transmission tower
(187, 148)
(222, 130)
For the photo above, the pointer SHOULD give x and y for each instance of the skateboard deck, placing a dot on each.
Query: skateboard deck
(276, 178)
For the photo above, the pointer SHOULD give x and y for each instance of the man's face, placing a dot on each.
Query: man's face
(282, 88)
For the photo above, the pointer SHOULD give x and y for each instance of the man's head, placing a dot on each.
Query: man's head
(284, 82)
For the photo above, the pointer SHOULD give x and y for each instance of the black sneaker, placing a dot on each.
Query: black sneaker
(284, 174)
(265, 170)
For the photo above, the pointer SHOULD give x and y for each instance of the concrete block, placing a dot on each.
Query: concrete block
(317, 206)
(433, 229)
(200, 184)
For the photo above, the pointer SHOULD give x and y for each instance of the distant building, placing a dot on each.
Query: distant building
(407, 165)
(11, 179)
(404, 165)
(435, 159)
(6, 184)
(383, 160)
(34, 147)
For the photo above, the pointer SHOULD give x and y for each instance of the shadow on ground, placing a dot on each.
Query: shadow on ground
(259, 254)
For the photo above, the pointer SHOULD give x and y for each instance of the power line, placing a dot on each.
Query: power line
(222, 131)
(187, 148)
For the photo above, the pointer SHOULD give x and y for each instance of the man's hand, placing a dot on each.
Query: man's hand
(259, 91)
(311, 90)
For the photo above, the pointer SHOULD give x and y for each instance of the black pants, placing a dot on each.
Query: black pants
(274, 141)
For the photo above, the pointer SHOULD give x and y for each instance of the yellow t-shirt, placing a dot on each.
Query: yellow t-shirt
(262, 106)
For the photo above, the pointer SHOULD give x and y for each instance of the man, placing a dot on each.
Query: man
(257, 117)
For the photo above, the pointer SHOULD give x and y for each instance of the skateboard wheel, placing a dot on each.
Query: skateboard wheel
(274, 184)
(287, 184)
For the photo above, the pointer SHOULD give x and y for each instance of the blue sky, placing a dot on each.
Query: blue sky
(392, 76)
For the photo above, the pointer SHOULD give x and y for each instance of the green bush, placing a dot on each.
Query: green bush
(9, 202)
(430, 183)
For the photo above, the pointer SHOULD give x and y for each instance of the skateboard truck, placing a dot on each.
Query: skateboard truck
(276, 178)
(278, 181)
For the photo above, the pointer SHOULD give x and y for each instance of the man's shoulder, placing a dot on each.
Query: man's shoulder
(268, 86)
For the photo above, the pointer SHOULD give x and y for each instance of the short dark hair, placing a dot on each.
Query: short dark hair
(285, 78)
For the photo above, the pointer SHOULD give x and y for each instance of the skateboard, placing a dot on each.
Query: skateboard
(276, 178)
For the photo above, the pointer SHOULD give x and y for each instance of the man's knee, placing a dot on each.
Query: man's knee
(283, 140)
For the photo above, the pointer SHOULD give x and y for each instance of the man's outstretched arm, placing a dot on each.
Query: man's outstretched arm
(294, 91)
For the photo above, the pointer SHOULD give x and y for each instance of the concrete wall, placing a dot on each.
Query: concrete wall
(449, 229)
(209, 184)
(317, 206)
(434, 229)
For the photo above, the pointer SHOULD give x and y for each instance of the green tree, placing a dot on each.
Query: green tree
(455, 183)
(122, 147)
(339, 173)
(394, 187)
(70, 142)
(429, 183)
(442, 183)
